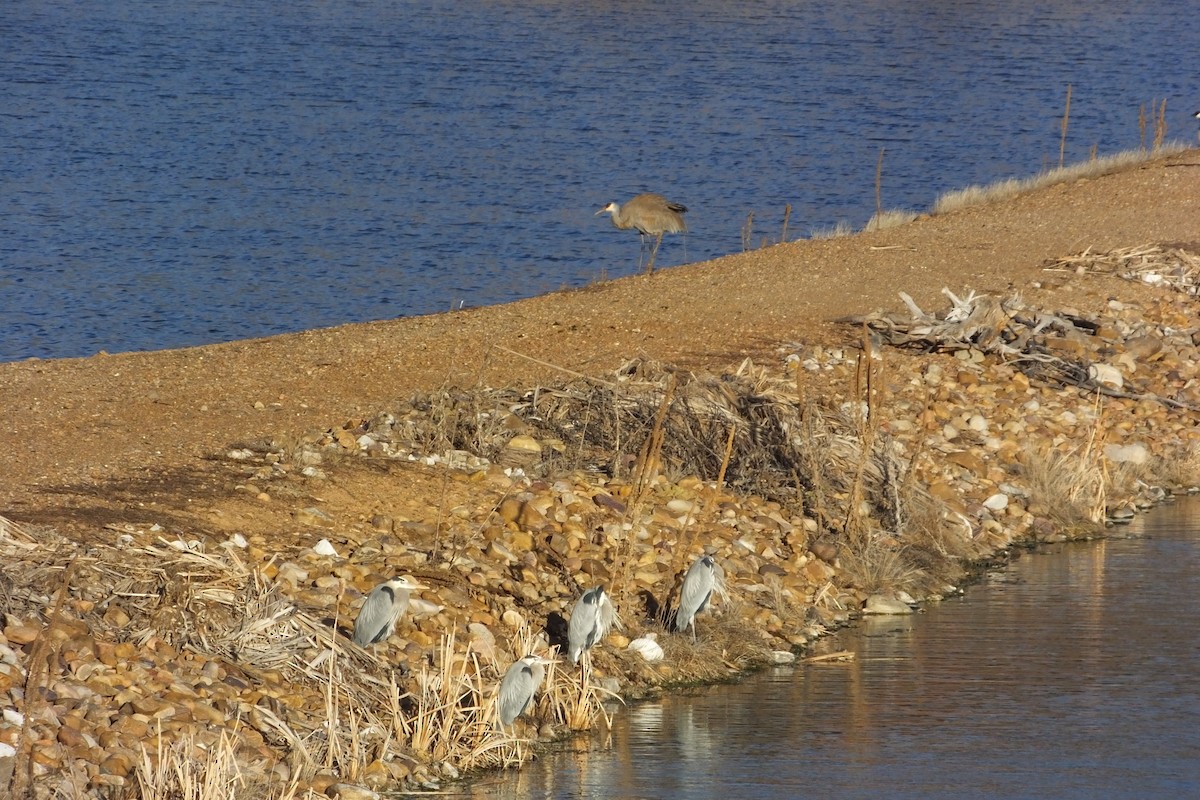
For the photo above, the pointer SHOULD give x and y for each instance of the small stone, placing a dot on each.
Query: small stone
(325, 548)
(525, 444)
(885, 604)
(609, 502)
(21, 634)
(1135, 453)
(997, 502)
(647, 647)
(350, 791)
(313, 516)
(781, 657)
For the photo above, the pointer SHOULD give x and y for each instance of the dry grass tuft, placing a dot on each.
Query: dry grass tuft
(889, 218)
(842, 228)
(186, 769)
(1011, 187)
(1071, 484)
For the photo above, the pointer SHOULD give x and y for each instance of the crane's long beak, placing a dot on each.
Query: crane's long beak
(601, 211)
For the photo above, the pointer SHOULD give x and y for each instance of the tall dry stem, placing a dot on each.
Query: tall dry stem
(1160, 126)
(1062, 144)
(879, 185)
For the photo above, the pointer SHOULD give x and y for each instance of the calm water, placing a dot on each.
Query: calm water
(1069, 675)
(179, 172)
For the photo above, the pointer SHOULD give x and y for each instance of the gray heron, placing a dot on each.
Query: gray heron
(650, 215)
(701, 581)
(519, 685)
(591, 619)
(383, 608)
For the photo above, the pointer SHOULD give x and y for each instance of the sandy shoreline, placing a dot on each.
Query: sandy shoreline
(416, 445)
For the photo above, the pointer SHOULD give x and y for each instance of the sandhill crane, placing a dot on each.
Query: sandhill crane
(650, 215)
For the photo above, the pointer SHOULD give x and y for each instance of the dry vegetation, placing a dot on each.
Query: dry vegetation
(840, 454)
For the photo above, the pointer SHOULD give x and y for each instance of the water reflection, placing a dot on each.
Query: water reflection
(1067, 675)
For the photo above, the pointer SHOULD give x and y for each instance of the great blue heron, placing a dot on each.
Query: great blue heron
(591, 619)
(383, 608)
(701, 581)
(519, 685)
(650, 215)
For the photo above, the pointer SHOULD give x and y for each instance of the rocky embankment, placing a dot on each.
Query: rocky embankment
(828, 483)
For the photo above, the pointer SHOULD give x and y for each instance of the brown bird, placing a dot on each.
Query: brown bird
(650, 215)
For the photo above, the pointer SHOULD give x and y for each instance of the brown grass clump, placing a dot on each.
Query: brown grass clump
(1071, 484)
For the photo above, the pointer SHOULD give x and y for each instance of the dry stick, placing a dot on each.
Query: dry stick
(1142, 124)
(1160, 126)
(841, 655)
(727, 456)
(787, 215)
(645, 471)
(748, 231)
(601, 381)
(38, 668)
(879, 188)
(866, 435)
(1062, 145)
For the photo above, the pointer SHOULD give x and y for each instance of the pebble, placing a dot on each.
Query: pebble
(885, 604)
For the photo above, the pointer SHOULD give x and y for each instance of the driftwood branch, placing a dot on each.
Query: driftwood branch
(1032, 340)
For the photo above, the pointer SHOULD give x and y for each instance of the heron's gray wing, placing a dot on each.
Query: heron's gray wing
(584, 628)
(697, 588)
(516, 690)
(375, 617)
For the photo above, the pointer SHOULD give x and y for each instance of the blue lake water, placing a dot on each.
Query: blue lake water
(176, 173)
(1068, 675)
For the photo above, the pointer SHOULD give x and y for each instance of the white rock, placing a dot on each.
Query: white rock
(237, 540)
(1136, 453)
(419, 607)
(678, 508)
(324, 548)
(997, 502)
(883, 604)
(648, 647)
(350, 791)
(782, 657)
(978, 423)
(1106, 375)
(14, 717)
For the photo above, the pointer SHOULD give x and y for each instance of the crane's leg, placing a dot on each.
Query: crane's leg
(653, 253)
(641, 249)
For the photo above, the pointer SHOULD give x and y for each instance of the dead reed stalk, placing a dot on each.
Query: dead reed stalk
(1160, 126)
(879, 185)
(1062, 144)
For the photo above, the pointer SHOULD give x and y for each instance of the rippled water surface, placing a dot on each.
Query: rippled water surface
(176, 173)
(1071, 674)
